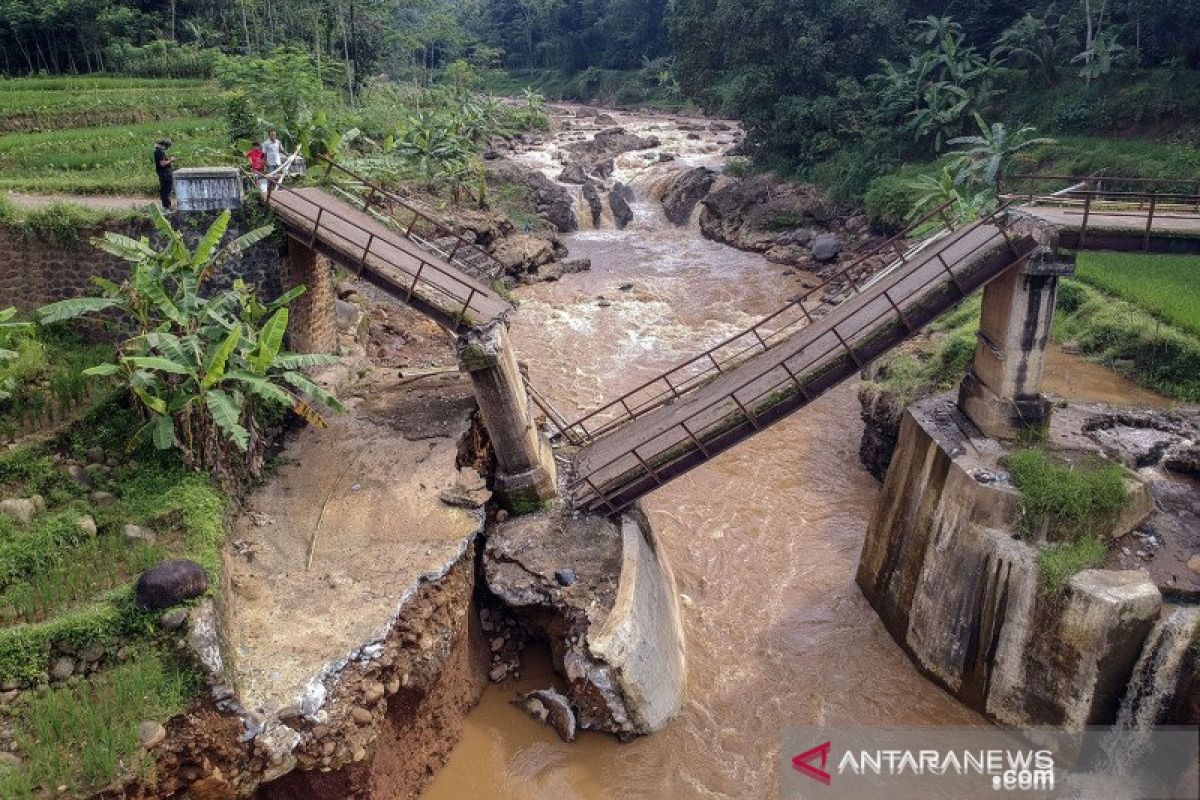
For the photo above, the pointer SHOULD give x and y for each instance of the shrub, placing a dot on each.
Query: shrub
(888, 202)
(199, 366)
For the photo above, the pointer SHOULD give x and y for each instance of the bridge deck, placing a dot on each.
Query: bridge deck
(616, 469)
(1121, 225)
(386, 258)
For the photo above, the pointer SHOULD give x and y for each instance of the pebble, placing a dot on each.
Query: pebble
(361, 715)
(498, 673)
(565, 577)
(151, 734)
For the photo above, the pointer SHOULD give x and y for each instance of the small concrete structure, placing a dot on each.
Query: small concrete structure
(1002, 391)
(208, 188)
(526, 475)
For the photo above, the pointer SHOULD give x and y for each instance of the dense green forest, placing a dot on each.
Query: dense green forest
(838, 91)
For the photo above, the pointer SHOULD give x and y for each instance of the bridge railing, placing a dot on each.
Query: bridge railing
(414, 224)
(799, 374)
(1132, 199)
(449, 293)
(765, 334)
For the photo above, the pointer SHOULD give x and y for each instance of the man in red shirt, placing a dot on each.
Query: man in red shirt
(258, 163)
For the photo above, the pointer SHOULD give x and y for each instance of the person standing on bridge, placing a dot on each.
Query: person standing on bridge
(258, 165)
(164, 167)
(273, 148)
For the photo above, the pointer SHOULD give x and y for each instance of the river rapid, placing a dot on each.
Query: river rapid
(764, 540)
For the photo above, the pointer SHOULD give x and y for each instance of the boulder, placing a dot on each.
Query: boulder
(591, 193)
(551, 201)
(348, 315)
(796, 238)
(170, 583)
(825, 248)
(618, 200)
(79, 475)
(63, 668)
(87, 526)
(606, 145)
(550, 707)
(573, 173)
(1183, 459)
(604, 170)
(20, 509)
(686, 191)
(787, 254)
(135, 534)
(523, 252)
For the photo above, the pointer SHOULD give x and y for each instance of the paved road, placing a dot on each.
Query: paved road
(756, 384)
(346, 232)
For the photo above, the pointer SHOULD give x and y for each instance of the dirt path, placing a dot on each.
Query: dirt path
(94, 202)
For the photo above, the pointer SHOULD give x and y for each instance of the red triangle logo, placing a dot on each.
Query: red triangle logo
(803, 763)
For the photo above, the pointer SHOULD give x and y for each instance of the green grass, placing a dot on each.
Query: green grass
(29, 106)
(908, 376)
(107, 160)
(1130, 340)
(57, 584)
(1168, 287)
(1058, 563)
(82, 737)
(1073, 501)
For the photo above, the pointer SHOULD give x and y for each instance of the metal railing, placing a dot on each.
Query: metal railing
(765, 334)
(1110, 197)
(416, 225)
(798, 375)
(356, 255)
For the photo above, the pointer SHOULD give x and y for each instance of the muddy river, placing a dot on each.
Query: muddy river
(764, 540)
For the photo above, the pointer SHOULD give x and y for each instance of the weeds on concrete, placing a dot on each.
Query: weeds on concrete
(1058, 563)
(1074, 500)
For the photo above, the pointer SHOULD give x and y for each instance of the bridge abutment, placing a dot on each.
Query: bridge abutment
(1002, 390)
(526, 475)
(312, 316)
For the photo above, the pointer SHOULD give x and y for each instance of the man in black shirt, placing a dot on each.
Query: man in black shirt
(163, 166)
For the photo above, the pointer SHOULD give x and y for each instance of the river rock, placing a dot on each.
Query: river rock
(618, 200)
(788, 255)
(825, 248)
(608, 144)
(170, 583)
(348, 315)
(1183, 459)
(174, 620)
(573, 173)
(591, 193)
(523, 252)
(95, 455)
(1193, 563)
(20, 509)
(549, 706)
(151, 734)
(102, 498)
(686, 191)
(796, 238)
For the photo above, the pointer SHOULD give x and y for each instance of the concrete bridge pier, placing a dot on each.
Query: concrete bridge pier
(312, 317)
(1002, 390)
(526, 474)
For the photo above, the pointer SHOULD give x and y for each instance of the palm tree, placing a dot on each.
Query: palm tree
(984, 158)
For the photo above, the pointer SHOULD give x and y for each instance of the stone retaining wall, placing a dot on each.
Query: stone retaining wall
(35, 271)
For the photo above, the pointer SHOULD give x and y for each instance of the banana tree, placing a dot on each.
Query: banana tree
(983, 159)
(200, 364)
